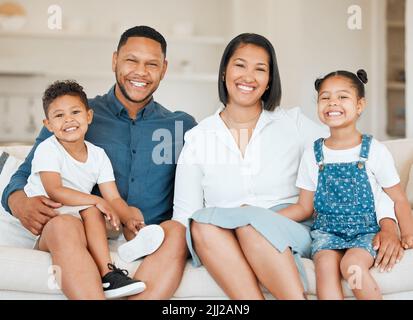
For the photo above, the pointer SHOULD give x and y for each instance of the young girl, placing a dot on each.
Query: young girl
(341, 178)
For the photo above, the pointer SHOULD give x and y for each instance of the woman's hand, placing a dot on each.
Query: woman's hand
(388, 243)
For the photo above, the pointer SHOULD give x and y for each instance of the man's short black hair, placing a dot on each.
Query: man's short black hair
(62, 88)
(145, 32)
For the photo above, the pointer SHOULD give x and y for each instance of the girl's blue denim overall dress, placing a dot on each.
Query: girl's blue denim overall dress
(344, 204)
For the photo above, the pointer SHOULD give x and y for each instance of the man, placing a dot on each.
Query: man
(126, 125)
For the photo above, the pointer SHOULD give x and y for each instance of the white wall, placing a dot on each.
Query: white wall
(317, 41)
(49, 56)
(311, 38)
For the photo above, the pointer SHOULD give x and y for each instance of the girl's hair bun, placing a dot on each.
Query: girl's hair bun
(362, 75)
(317, 84)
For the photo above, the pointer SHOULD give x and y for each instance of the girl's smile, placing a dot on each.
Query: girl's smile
(338, 103)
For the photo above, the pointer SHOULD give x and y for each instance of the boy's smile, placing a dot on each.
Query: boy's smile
(68, 119)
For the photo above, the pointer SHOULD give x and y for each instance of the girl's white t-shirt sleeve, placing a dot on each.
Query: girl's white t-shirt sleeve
(384, 168)
(386, 175)
(384, 206)
(308, 171)
(106, 169)
(46, 158)
(188, 194)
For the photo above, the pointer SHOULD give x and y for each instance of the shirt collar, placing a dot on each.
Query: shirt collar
(114, 104)
(147, 110)
(265, 117)
(116, 107)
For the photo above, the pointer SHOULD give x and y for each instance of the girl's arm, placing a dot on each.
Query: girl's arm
(304, 208)
(52, 183)
(403, 214)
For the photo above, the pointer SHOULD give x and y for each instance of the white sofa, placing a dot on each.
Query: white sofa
(26, 273)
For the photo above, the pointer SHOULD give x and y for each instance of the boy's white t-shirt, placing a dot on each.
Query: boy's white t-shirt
(51, 156)
(380, 169)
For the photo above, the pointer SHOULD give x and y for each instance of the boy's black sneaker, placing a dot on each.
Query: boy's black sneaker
(117, 284)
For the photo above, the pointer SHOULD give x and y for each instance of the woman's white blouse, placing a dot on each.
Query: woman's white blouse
(212, 172)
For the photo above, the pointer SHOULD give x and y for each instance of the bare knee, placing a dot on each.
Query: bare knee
(354, 262)
(174, 243)
(93, 214)
(348, 266)
(327, 261)
(245, 230)
(248, 235)
(202, 234)
(64, 230)
(199, 233)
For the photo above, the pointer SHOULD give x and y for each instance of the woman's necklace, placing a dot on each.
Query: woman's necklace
(233, 124)
(240, 130)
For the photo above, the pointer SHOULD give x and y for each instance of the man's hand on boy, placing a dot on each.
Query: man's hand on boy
(33, 212)
(407, 241)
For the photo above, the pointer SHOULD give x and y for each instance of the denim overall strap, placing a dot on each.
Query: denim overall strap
(318, 150)
(364, 150)
(365, 146)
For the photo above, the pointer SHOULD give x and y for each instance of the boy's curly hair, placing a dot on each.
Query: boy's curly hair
(62, 88)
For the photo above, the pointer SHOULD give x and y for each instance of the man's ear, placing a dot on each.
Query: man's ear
(89, 116)
(164, 68)
(46, 123)
(114, 58)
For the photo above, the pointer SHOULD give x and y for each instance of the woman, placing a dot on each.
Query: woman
(237, 168)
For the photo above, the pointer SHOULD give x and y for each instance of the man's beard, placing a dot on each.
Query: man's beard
(127, 96)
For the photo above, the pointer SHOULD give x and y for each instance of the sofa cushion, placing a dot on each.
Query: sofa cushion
(18, 151)
(11, 231)
(409, 187)
(8, 166)
(31, 271)
(402, 152)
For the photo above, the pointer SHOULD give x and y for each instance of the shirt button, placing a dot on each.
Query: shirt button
(133, 151)
(133, 122)
(132, 180)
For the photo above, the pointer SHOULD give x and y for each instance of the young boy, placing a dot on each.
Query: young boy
(65, 168)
